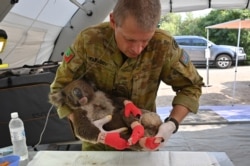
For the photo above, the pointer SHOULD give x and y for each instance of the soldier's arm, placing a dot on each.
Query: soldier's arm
(179, 112)
(63, 77)
(71, 68)
(181, 74)
(185, 81)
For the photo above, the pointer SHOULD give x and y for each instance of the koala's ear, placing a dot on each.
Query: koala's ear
(93, 85)
(89, 79)
(57, 99)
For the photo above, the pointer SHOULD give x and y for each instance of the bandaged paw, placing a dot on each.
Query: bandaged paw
(130, 108)
(137, 133)
(113, 139)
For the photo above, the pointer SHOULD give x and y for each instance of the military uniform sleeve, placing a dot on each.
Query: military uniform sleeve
(72, 67)
(180, 73)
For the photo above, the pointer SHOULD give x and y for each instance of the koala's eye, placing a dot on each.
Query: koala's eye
(77, 92)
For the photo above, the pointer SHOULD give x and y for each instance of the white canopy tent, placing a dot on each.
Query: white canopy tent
(192, 5)
(234, 24)
(41, 30)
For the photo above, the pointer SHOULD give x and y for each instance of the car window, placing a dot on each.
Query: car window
(199, 42)
(184, 42)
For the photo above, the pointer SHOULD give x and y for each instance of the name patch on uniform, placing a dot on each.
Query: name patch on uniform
(68, 55)
(96, 60)
(184, 58)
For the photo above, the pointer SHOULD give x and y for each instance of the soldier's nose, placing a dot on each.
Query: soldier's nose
(78, 93)
(137, 48)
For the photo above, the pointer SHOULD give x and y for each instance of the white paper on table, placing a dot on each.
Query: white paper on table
(192, 159)
(114, 158)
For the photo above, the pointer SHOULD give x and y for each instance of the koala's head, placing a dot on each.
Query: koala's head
(75, 94)
(151, 122)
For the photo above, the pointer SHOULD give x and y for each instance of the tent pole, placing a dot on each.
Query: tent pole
(236, 62)
(207, 55)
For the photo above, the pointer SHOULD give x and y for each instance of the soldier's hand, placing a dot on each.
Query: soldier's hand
(71, 117)
(130, 108)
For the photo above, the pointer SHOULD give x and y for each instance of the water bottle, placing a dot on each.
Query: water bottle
(18, 137)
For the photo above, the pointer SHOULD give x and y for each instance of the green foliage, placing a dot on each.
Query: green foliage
(170, 23)
(191, 25)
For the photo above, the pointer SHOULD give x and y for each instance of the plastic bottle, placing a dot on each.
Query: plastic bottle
(18, 137)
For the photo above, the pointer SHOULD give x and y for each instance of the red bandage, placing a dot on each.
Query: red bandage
(137, 133)
(131, 108)
(114, 140)
(150, 143)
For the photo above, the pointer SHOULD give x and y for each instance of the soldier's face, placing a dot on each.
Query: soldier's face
(130, 39)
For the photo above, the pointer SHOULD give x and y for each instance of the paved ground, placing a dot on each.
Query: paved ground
(223, 87)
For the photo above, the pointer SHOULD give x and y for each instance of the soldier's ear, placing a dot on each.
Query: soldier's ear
(112, 21)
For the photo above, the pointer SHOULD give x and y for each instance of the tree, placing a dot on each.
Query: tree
(170, 23)
(191, 25)
(227, 36)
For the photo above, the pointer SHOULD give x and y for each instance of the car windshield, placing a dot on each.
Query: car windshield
(193, 41)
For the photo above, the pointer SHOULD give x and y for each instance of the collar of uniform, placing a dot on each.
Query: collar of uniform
(153, 43)
(110, 43)
(159, 39)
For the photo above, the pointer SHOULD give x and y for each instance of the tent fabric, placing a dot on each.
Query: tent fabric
(234, 24)
(192, 5)
(33, 28)
(56, 12)
(27, 45)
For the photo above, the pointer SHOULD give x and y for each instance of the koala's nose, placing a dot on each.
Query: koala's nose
(77, 92)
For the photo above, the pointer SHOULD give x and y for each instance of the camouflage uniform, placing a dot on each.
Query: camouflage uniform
(95, 53)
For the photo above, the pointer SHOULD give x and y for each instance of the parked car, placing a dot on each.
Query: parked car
(222, 56)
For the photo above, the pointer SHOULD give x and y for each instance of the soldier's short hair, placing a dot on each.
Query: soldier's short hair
(147, 13)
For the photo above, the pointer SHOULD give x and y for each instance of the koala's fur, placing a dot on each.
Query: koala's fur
(89, 104)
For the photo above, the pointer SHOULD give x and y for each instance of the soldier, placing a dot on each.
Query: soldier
(129, 57)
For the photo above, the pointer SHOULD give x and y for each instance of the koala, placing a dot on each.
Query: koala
(90, 104)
